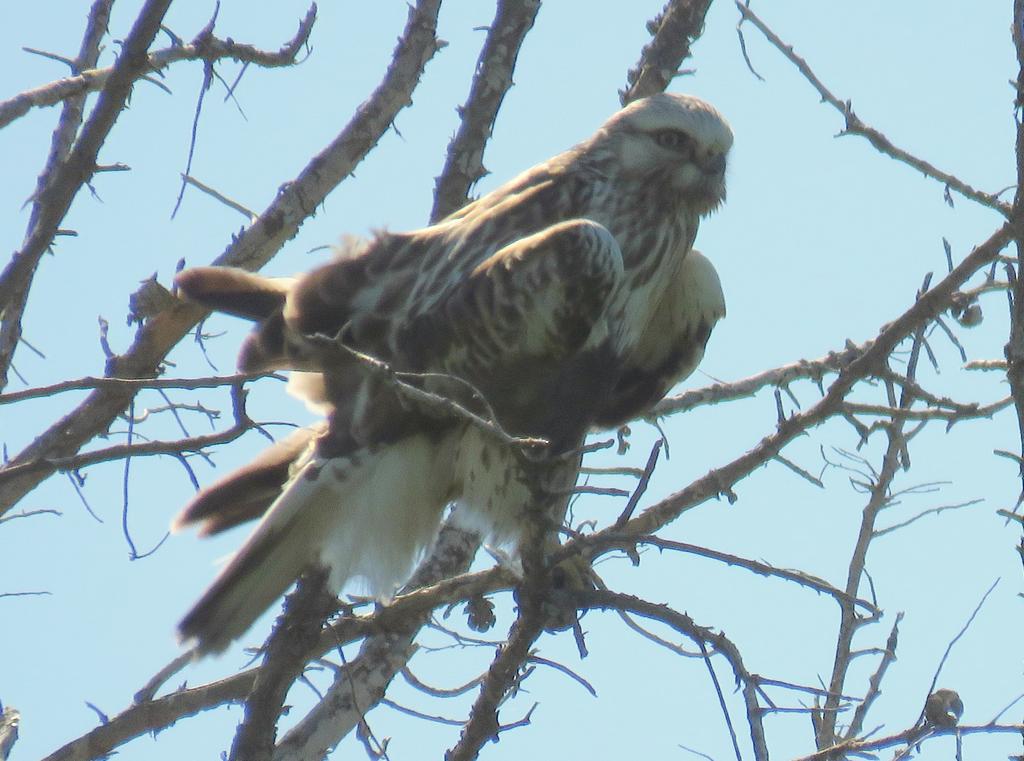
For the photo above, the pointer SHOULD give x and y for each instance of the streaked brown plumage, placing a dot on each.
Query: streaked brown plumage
(568, 298)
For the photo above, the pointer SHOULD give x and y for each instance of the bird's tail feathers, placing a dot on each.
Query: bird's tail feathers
(366, 515)
(234, 291)
(246, 493)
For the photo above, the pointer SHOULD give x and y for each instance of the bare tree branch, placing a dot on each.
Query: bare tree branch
(909, 736)
(854, 125)
(361, 684)
(87, 79)
(68, 176)
(89, 383)
(875, 682)
(296, 631)
(1014, 349)
(464, 159)
(674, 30)
(815, 370)
(683, 624)
(720, 480)
(400, 615)
(762, 569)
(242, 424)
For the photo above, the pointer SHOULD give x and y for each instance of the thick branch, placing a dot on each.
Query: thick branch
(296, 631)
(483, 723)
(68, 177)
(493, 79)
(549, 483)
(677, 27)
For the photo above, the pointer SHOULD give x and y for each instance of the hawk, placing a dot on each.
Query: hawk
(567, 299)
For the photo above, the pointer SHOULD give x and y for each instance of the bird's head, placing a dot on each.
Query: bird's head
(678, 139)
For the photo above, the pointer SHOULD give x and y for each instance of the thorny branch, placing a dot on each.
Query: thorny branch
(673, 30)
(464, 159)
(683, 624)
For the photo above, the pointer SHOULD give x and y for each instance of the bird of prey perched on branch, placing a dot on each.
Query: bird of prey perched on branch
(567, 299)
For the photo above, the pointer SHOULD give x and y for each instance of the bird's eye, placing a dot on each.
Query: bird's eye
(671, 139)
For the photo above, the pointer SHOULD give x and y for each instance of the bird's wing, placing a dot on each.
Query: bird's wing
(672, 345)
(529, 328)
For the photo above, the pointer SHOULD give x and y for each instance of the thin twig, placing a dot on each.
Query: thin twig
(952, 642)
(854, 125)
(607, 600)
(641, 487)
(88, 79)
(90, 383)
(919, 516)
(249, 214)
(761, 569)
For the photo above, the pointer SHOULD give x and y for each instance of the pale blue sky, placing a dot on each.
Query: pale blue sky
(821, 240)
